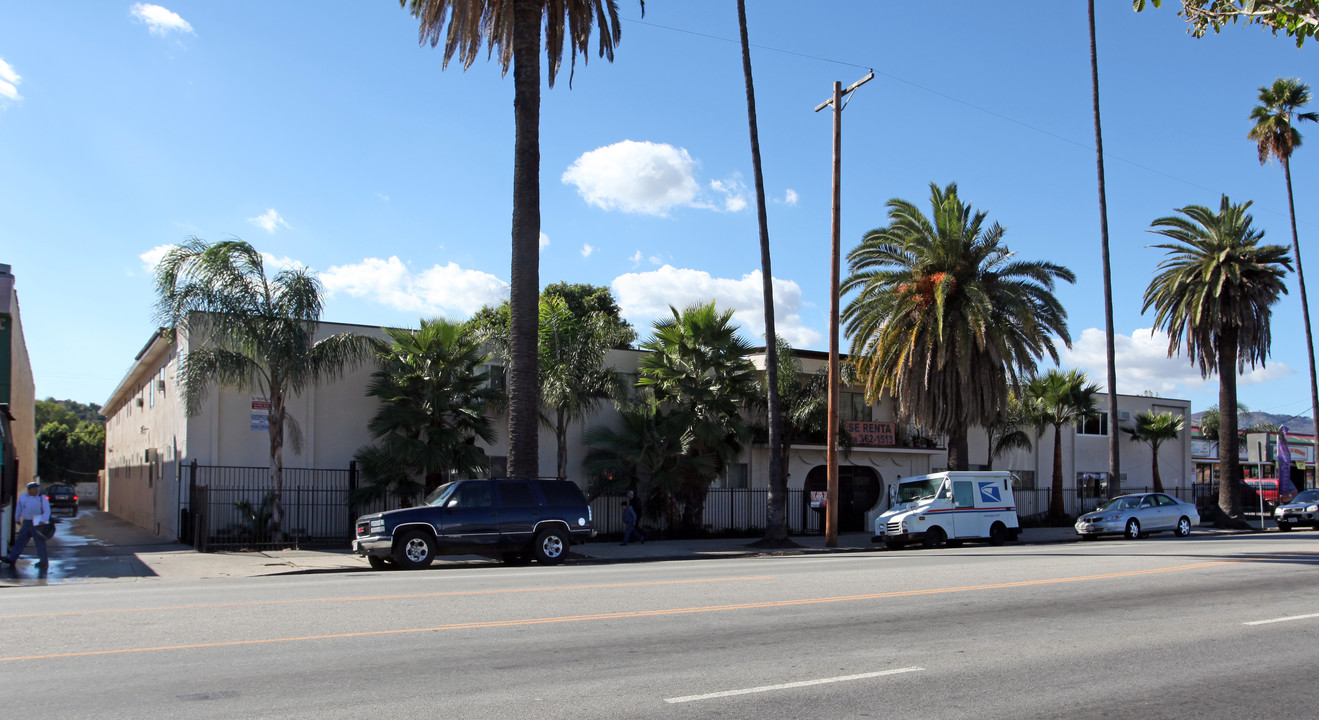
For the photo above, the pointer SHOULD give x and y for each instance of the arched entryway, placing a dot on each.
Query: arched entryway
(859, 488)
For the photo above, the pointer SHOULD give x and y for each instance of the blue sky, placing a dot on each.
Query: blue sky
(325, 135)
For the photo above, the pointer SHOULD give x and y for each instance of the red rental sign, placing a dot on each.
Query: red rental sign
(871, 434)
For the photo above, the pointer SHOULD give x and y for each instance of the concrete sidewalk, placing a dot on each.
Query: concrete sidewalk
(96, 546)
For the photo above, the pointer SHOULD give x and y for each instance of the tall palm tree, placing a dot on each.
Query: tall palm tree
(1154, 429)
(776, 526)
(573, 377)
(250, 332)
(696, 364)
(512, 30)
(946, 319)
(1056, 399)
(1275, 137)
(1214, 292)
(1110, 353)
(1007, 432)
(434, 401)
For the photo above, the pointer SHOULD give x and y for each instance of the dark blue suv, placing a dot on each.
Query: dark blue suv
(513, 519)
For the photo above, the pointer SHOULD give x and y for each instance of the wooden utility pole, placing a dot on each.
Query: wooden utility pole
(831, 452)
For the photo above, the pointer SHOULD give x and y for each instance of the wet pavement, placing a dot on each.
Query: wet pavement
(95, 546)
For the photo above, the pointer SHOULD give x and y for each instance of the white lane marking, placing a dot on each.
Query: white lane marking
(785, 686)
(1282, 619)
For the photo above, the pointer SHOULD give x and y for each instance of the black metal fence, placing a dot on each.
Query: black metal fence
(727, 510)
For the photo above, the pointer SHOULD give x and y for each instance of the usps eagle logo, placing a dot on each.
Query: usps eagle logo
(989, 493)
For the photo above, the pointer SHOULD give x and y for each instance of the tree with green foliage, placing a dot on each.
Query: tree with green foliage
(946, 319)
(70, 440)
(1275, 138)
(511, 30)
(696, 365)
(1296, 18)
(435, 398)
(1214, 293)
(644, 453)
(250, 332)
(1052, 401)
(1007, 432)
(1154, 429)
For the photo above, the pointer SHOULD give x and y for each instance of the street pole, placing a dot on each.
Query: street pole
(831, 451)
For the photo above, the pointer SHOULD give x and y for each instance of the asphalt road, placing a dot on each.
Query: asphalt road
(1157, 628)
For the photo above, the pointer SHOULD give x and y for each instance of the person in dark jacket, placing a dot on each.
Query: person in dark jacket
(630, 525)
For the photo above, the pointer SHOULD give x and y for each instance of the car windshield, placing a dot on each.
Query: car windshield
(1308, 496)
(918, 489)
(1126, 502)
(440, 495)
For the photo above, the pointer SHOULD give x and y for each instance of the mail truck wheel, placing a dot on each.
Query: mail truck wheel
(934, 537)
(998, 534)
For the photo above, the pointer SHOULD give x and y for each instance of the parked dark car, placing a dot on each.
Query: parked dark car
(62, 497)
(512, 519)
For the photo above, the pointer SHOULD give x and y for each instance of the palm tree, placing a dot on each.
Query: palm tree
(1110, 353)
(434, 399)
(1214, 292)
(696, 364)
(1155, 429)
(512, 29)
(1275, 137)
(643, 453)
(946, 319)
(1053, 400)
(250, 332)
(776, 526)
(573, 377)
(1007, 432)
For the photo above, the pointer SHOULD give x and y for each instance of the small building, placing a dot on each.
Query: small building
(18, 395)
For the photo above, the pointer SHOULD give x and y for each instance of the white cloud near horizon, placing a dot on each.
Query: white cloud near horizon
(9, 82)
(1143, 364)
(159, 20)
(439, 289)
(649, 178)
(587, 249)
(790, 197)
(269, 221)
(544, 241)
(646, 296)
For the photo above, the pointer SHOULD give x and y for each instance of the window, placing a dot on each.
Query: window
(472, 495)
(736, 476)
(852, 406)
(1097, 425)
(498, 376)
(963, 494)
(1023, 479)
(515, 493)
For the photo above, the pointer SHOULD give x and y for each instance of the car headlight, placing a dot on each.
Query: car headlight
(1114, 516)
(377, 525)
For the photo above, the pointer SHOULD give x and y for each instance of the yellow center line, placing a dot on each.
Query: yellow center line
(639, 613)
(416, 596)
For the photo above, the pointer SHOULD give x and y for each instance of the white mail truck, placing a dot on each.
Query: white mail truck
(950, 506)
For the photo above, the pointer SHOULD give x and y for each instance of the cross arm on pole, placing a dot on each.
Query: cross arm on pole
(869, 76)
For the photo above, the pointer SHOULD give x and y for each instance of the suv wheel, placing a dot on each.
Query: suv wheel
(550, 546)
(415, 550)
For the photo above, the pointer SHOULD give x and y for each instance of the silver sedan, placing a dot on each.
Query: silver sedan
(1136, 516)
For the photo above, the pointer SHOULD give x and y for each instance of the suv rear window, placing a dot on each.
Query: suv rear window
(561, 492)
(515, 493)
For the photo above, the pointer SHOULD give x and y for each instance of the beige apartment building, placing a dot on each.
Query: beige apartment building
(150, 440)
(18, 439)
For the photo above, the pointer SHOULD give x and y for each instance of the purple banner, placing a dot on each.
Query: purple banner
(1284, 460)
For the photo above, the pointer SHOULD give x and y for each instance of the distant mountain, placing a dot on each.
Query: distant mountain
(1295, 425)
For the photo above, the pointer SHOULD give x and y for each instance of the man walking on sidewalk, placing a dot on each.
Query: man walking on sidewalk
(33, 510)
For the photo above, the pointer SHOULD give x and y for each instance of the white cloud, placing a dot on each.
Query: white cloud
(269, 221)
(587, 250)
(440, 289)
(151, 258)
(635, 258)
(1143, 364)
(631, 176)
(544, 241)
(790, 197)
(382, 196)
(9, 82)
(159, 20)
(733, 192)
(645, 297)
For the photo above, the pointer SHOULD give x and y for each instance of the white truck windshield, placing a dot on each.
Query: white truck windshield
(918, 489)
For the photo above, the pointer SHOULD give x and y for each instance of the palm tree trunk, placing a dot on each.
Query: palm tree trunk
(1114, 464)
(1229, 466)
(524, 277)
(561, 441)
(276, 431)
(1158, 482)
(957, 451)
(776, 526)
(1057, 510)
(1300, 281)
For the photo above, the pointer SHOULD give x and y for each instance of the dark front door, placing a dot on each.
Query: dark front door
(470, 518)
(859, 488)
(518, 512)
